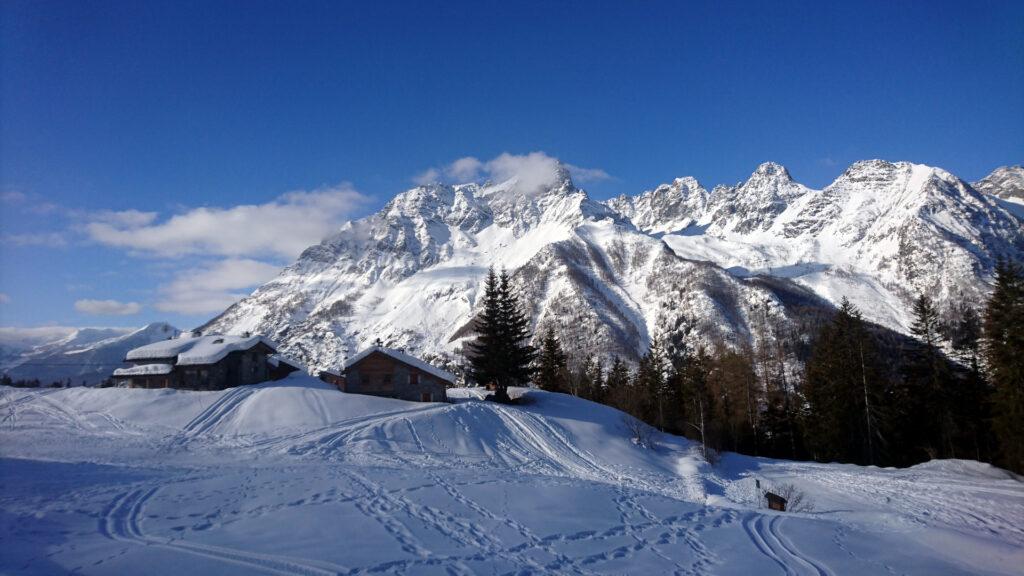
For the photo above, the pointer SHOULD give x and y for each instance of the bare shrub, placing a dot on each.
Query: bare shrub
(796, 499)
(711, 456)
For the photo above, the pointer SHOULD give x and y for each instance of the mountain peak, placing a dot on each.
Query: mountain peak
(1006, 182)
(772, 170)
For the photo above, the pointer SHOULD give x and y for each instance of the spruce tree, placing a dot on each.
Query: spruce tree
(843, 392)
(519, 353)
(651, 385)
(551, 364)
(971, 391)
(616, 385)
(1003, 351)
(486, 352)
(929, 369)
(698, 399)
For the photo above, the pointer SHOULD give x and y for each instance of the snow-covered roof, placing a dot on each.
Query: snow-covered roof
(196, 350)
(401, 357)
(145, 370)
(277, 359)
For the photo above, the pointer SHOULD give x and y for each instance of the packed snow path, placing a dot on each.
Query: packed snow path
(296, 478)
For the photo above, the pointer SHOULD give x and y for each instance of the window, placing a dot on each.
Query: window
(414, 378)
(426, 397)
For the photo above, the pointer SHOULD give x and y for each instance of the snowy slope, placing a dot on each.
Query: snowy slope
(87, 355)
(297, 478)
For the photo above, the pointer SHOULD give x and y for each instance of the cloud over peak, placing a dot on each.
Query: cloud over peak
(531, 171)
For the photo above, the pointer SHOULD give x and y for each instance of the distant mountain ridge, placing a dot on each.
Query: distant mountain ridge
(880, 234)
(85, 356)
(611, 274)
(1006, 182)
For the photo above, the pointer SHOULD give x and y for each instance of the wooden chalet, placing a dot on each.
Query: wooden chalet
(380, 371)
(332, 377)
(212, 362)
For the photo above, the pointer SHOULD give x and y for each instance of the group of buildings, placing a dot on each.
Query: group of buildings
(214, 362)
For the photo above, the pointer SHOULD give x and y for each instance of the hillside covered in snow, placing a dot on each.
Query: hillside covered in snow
(295, 477)
(722, 264)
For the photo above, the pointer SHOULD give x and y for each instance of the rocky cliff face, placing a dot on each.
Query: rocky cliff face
(611, 274)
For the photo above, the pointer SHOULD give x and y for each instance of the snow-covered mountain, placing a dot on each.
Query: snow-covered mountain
(611, 274)
(411, 275)
(84, 356)
(880, 234)
(1006, 182)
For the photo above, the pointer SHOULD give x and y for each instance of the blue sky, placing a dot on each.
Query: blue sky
(133, 134)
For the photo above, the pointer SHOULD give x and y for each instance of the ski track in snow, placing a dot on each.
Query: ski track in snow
(419, 484)
(764, 532)
(122, 521)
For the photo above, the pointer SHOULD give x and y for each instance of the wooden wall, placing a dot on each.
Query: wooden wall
(381, 375)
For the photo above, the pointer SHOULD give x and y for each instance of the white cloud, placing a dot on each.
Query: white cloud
(121, 218)
(213, 288)
(49, 239)
(282, 228)
(107, 307)
(465, 169)
(13, 197)
(428, 176)
(584, 175)
(25, 338)
(531, 171)
(4, 298)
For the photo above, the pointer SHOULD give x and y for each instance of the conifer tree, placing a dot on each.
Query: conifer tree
(486, 351)
(551, 364)
(970, 394)
(1003, 350)
(698, 400)
(843, 392)
(929, 369)
(501, 354)
(519, 352)
(616, 385)
(651, 385)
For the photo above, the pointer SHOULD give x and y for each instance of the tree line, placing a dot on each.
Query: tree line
(838, 389)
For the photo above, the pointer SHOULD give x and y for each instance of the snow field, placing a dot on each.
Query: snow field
(297, 478)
